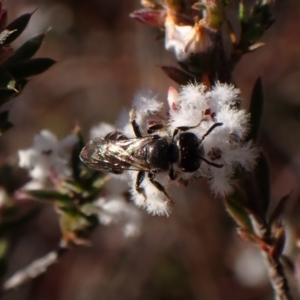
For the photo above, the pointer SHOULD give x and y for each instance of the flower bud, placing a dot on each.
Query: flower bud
(173, 98)
(152, 17)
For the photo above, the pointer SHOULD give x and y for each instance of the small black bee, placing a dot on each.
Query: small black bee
(152, 154)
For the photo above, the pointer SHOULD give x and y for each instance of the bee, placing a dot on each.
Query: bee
(152, 154)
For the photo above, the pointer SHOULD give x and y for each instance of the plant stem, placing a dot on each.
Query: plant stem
(33, 270)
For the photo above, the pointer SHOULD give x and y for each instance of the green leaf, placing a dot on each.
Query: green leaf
(237, 211)
(7, 81)
(18, 26)
(76, 163)
(3, 248)
(6, 95)
(178, 75)
(226, 2)
(28, 49)
(4, 123)
(279, 209)
(256, 109)
(29, 68)
(242, 12)
(89, 209)
(48, 195)
(262, 177)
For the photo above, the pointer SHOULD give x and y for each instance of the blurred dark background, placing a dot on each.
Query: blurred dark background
(103, 59)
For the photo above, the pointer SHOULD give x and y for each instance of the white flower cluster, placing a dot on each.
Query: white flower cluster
(223, 149)
(115, 209)
(187, 40)
(48, 162)
(47, 159)
(225, 145)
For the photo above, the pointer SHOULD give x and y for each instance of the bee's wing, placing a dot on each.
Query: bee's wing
(111, 156)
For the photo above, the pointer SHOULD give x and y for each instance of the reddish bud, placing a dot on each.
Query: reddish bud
(173, 98)
(150, 17)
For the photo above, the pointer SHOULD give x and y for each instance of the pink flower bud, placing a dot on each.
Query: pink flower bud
(152, 17)
(173, 98)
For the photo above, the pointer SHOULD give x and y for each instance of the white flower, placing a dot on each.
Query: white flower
(115, 209)
(186, 40)
(151, 199)
(101, 130)
(48, 157)
(225, 145)
(145, 105)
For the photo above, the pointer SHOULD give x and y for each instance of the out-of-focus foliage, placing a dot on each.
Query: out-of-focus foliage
(17, 65)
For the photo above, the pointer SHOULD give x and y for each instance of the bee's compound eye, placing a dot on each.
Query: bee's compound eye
(190, 152)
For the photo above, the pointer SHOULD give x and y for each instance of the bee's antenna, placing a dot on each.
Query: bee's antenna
(211, 163)
(209, 131)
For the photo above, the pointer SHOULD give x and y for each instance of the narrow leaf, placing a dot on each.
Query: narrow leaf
(238, 212)
(256, 109)
(242, 13)
(28, 49)
(6, 95)
(178, 75)
(29, 68)
(48, 195)
(279, 208)
(263, 183)
(76, 163)
(7, 81)
(278, 247)
(4, 123)
(18, 26)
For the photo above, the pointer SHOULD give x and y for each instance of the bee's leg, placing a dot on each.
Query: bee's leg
(172, 174)
(151, 177)
(154, 128)
(139, 179)
(185, 128)
(135, 126)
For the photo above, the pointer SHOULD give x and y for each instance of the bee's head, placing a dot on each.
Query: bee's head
(190, 152)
